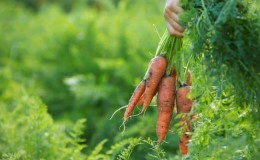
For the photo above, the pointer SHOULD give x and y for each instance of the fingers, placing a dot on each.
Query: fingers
(173, 7)
(171, 16)
(173, 20)
(172, 2)
(173, 31)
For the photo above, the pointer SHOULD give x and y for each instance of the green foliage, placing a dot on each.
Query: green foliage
(95, 154)
(126, 153)
(81, 64)
(28, 131)
(159, 153)
(222, 49)
(84, 64)
(117, 147)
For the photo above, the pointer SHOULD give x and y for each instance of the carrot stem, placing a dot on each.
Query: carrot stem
(169, 46)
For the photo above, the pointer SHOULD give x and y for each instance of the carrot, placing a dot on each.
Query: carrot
(183, 141)
(194, 117)
(188, 80)
(174, 74)
(165, 105)
(184, 105)
(140, 100)
(156, 71)
(139, 90)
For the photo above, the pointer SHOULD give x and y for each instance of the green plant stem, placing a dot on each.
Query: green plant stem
(168, 47)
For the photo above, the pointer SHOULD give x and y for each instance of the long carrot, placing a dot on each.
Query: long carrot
(194, 117)
(165, 105)
(184, 105)
(140, 100)
(139, 90)
(156, 71)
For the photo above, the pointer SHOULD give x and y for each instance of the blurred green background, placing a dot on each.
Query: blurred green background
(67, 61)
(67, 65)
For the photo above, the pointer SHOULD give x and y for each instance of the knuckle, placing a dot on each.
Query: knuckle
(172, 32)
(167, 9)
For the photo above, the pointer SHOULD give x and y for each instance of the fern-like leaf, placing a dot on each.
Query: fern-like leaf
(126, 153)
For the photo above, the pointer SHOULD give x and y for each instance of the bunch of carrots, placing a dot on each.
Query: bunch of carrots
(160, 80)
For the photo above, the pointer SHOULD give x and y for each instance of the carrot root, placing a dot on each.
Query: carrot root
(165, 103)
(134, 99)
(184, 105)
(156, 70)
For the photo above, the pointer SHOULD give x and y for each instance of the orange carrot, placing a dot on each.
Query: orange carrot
(165, 105)
(184, 105)
(194, 117)
(188, 80)
(139, 90)
(183, 141)
(140, 101)
(156, 71)
(174, 74)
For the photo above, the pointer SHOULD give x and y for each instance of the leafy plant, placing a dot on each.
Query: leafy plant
(28, 131)
(105, 51)
(222, 43)
(126, 153)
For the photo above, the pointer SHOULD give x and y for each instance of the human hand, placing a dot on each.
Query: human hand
(171, 11)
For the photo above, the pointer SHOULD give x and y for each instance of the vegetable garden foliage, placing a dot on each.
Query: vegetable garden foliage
(83, 64)
(28, 131)
(222, 49)
(79, 65)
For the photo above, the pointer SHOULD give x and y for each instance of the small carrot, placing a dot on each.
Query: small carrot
(188, 80)
(184, 105)
(183, 141)
(156, 71)
(174, 75)
(139, 90)
(165, 105)
(194, 117)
